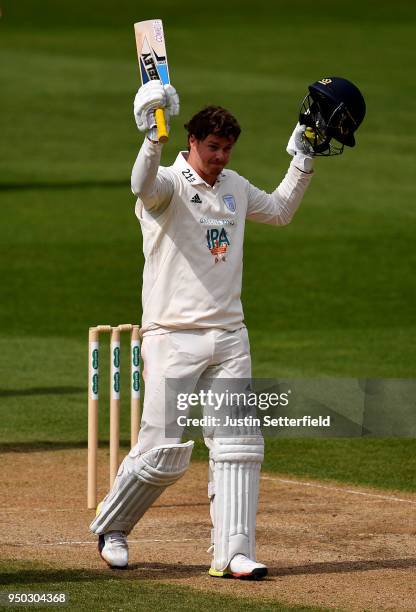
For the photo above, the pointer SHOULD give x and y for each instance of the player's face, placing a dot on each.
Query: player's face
(211, 155)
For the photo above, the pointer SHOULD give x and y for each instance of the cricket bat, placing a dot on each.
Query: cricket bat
(151, 51)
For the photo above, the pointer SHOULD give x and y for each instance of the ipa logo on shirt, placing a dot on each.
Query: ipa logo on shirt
(218, 243)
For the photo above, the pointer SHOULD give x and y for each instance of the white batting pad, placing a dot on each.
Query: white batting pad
(233, 492)
(140, 480)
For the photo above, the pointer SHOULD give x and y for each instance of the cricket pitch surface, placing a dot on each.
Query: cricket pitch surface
(326, 544)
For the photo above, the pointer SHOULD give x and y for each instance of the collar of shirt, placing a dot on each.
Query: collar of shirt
(190, 174)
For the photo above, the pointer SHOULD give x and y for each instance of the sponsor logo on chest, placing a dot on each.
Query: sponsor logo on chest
(218, 243)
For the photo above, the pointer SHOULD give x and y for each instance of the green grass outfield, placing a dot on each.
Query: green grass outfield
(333, 294)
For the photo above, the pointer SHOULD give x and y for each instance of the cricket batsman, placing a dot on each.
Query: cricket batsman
(192, 216)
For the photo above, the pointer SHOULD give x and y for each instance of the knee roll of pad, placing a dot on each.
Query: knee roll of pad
(137, 489)
(244, 448)
(235, 465)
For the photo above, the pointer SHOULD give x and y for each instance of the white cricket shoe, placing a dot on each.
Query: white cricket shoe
(241, 567)
(113, 548)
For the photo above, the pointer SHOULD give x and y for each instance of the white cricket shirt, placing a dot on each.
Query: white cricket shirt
(193, 239)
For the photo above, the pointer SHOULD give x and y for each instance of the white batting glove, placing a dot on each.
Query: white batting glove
(149, 97)
(299, 148)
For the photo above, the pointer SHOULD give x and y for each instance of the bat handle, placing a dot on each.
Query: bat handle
(162, 131)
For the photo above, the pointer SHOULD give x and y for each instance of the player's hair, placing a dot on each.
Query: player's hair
(213, 120)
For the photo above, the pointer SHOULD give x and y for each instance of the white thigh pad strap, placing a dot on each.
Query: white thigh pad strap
(235, 465)
(140, 481)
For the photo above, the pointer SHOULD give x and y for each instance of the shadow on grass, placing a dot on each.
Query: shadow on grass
(64, 185)
(41, 391)
(41, 445)
(50, 445)
(144, 571)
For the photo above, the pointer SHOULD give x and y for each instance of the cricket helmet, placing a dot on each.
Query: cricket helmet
(333, 109)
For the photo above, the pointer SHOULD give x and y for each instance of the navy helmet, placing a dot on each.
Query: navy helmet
(333, 109)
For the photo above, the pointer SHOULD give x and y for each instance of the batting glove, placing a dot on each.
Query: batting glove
(299, 148)
(151, 96)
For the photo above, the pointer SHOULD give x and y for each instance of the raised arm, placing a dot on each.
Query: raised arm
(150, 183)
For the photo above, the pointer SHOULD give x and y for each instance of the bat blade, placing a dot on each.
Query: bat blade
(151, 52)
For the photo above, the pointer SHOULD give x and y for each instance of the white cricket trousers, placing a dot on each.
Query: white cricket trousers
(195, 358)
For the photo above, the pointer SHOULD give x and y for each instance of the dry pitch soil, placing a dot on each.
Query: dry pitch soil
(326, 544)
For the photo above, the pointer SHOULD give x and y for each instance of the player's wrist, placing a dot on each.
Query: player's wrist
(156, 142)
(303, 163)
(152, 134)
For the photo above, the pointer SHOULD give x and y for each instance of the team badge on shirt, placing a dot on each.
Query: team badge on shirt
(218, 243)
(229, 202)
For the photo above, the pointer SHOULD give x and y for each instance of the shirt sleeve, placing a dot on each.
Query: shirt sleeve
(278, 208)
(152, 184)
